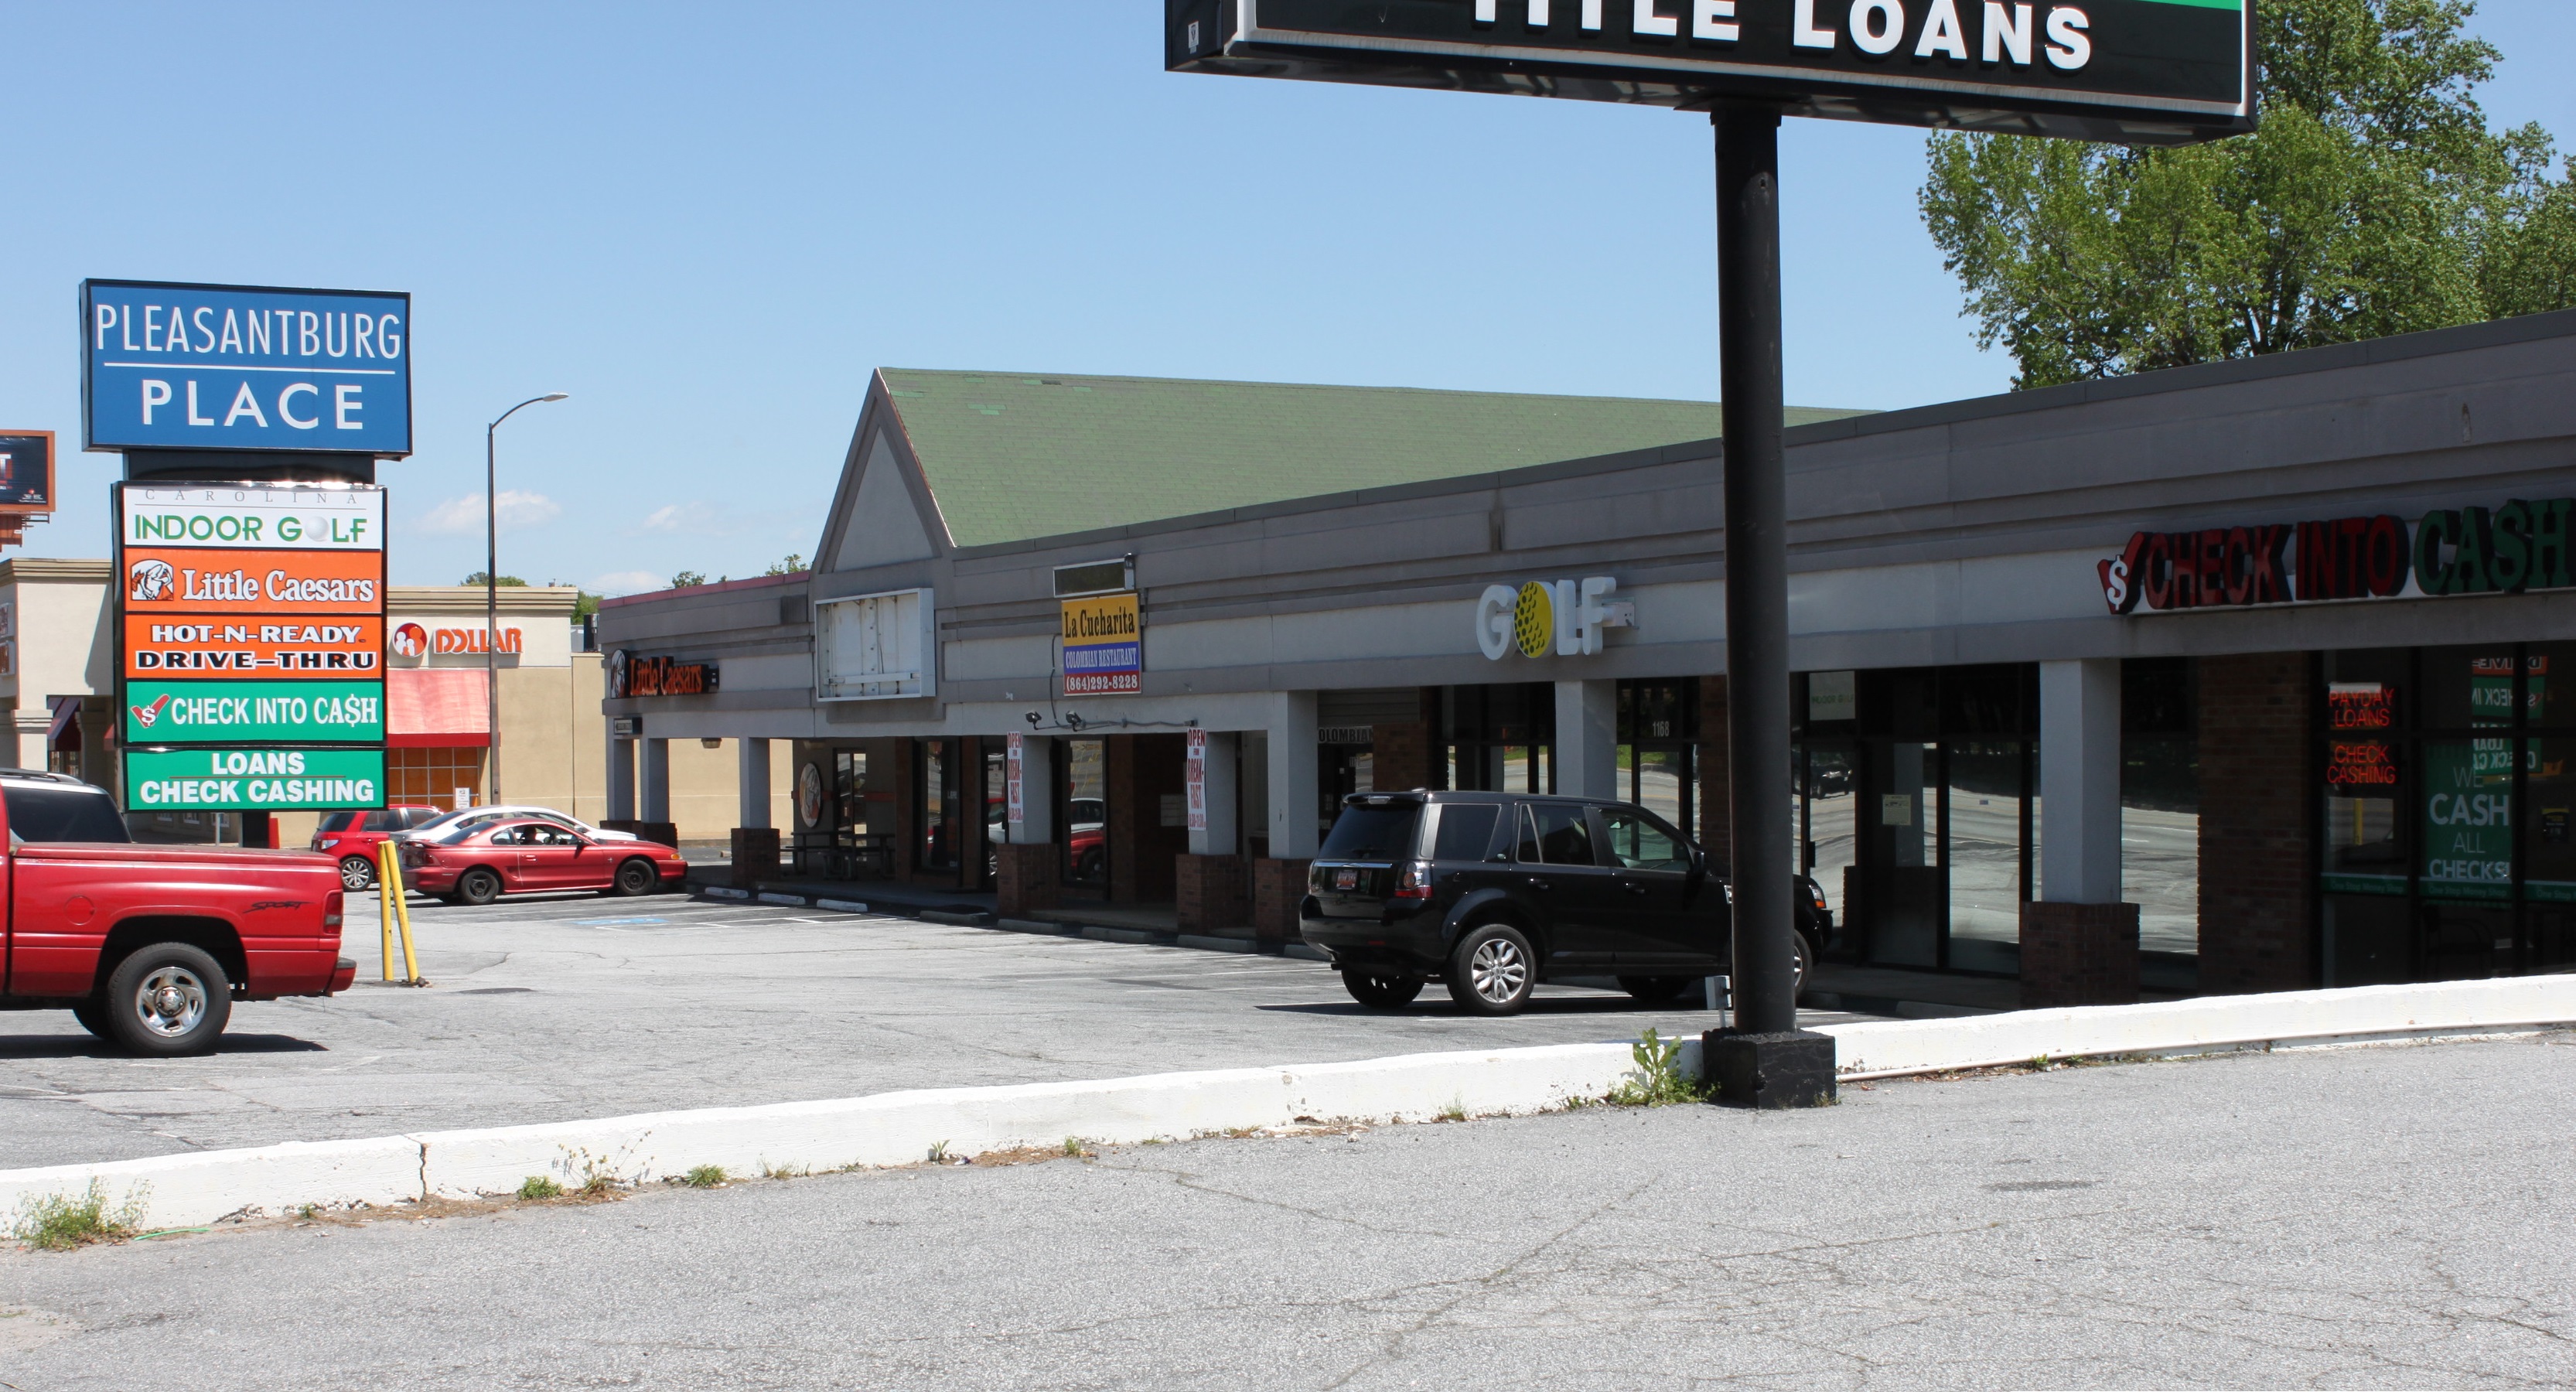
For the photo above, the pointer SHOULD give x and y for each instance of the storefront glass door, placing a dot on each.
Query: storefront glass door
(1908, 901)
(940, 811)
(1986, 806)
(1084, 813)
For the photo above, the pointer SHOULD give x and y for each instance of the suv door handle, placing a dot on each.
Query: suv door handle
(1637, 889)
(1541, 882)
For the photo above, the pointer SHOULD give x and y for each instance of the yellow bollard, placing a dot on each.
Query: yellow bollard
(385, 896)
(389, 893)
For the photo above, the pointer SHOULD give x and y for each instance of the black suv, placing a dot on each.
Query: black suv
(1496, 892)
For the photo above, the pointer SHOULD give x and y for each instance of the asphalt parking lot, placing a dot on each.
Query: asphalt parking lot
(568, 1007)
(2387, 1217)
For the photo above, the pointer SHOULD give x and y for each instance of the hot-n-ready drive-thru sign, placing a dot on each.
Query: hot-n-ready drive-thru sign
(250, 660)
(221, 367)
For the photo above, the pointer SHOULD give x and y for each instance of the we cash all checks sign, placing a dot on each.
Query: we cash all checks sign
(252, 617)
(231, 367)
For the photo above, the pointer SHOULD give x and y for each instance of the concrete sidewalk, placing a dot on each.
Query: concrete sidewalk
(2296, 1219)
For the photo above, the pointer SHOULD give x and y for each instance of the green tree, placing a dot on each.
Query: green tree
(794, 563)
(504, 582)
(686, 578)
(2374, 200)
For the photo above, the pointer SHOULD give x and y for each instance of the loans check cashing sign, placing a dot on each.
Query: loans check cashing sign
(251, 617)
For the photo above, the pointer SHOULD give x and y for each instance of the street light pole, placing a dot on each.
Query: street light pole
(492, 585)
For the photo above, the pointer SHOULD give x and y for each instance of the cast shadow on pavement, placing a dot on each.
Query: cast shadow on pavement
(42, 1046)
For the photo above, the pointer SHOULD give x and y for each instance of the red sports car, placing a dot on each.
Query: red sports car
(351, 837)
(479, 864)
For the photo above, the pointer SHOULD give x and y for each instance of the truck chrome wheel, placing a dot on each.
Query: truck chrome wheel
(166, 1000)
(172, 1002)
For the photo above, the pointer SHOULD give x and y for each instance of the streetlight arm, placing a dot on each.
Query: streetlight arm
(492, 585)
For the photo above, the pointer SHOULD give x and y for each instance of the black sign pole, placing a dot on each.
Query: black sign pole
(1765, 1060)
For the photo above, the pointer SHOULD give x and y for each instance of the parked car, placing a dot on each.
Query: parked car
(149, 946)
(1086, 839)
(351, 838)
(479, 862)
(1495, 892)
(446, 822)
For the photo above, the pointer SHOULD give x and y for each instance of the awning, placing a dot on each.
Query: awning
(436, 708)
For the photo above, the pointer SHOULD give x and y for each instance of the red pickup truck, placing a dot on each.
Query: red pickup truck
(149, 946)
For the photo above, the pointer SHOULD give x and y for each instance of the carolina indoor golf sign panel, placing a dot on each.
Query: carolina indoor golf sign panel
(2133, 71)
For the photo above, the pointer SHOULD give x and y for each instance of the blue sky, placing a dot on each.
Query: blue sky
(708, 223)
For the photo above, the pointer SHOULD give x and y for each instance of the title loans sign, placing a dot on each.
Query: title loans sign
(2136, 71)
(228, 367)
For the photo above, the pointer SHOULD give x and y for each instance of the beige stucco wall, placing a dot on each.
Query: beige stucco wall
(705, 793)
(58, 644)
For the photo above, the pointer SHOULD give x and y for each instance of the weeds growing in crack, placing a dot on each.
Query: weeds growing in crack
(705, 1177)
(1455, 1111)
(1073, 1149)
(60, 1222)
(939, 1152)
(1659, 1080)
(538, 1188)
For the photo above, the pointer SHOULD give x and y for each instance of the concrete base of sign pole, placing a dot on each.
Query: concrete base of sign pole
(1770, 1072)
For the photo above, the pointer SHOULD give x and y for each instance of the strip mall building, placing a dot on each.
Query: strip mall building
(2274, 660)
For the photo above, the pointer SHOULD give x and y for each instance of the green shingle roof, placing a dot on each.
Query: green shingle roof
(1012, 456)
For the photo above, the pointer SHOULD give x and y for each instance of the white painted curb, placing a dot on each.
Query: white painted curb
(901, 1127)
(1877, 1049)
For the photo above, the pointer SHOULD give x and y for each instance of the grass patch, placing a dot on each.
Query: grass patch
(1073, 1149)
(537, 1188)
(1455, 1111)
(59, 1223)
(939, 1152)
(704, 1177)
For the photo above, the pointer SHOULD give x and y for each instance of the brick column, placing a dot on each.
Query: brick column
(1278, 886)
(2078, 954)
(2257, 818)
(1400, 755)
(1211, 891)
(1025, 878)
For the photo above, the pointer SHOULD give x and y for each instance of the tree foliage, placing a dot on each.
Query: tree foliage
(2374, 200)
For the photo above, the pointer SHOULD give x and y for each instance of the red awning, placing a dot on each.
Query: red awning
(436, 708)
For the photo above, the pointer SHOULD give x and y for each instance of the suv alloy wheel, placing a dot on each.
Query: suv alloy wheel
(1492, 970)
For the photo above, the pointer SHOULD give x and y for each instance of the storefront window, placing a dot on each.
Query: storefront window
(1658, 740)
(432, 777)
(1832, 800)
(1985, 793)
(2160, 811)
(940, 820)
(849, 790)
(1497, 738)
(2457, 811)
(1086, 813)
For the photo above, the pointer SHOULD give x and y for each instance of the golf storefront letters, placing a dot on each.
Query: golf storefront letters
(1566, 617)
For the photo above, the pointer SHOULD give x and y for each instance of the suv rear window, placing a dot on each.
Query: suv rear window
(39, 812)
(338, 821)
(1466, 829)
(389, 820)
(1373, 833)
